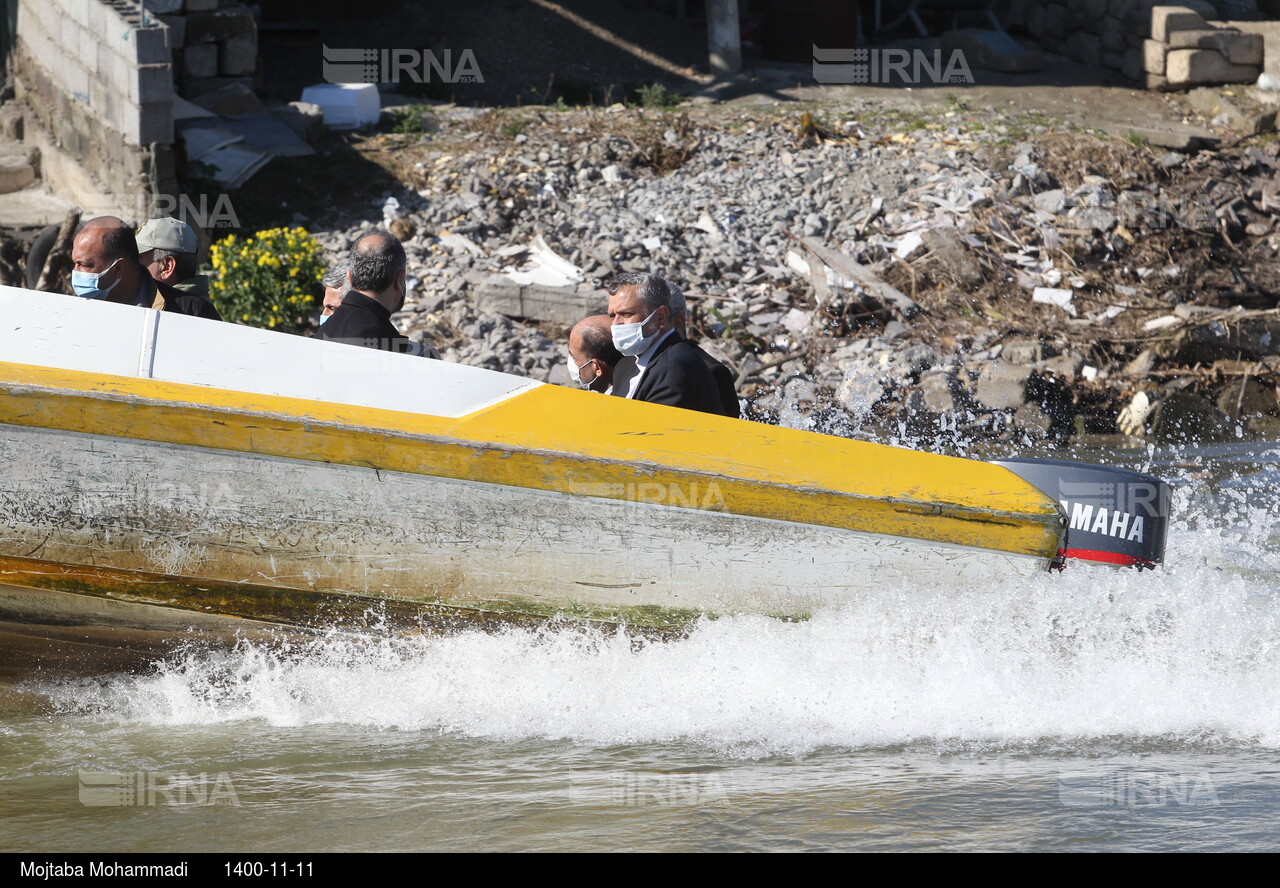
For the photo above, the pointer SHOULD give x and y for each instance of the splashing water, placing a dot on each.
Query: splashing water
(1189, 654)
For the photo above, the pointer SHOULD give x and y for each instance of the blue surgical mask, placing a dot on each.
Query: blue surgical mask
(324, 318)
(630, 339)
(86, 283)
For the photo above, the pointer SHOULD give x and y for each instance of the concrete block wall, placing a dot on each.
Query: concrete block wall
(96, 85)
(1118, 35)
(212, 43)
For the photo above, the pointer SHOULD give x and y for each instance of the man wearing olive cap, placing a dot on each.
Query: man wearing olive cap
(167, 249)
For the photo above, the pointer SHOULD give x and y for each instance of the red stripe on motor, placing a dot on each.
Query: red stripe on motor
(1107, 557)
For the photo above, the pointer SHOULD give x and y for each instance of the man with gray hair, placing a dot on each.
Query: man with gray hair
(722, 375)
(336, 287)
(167, 250)
(378, 288)
(658, 365)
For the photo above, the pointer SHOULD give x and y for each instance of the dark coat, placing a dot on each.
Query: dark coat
(676, 376)
(168, 298)
(362, 320)
(724, 380)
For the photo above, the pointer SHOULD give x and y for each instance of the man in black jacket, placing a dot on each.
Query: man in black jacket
(722, 375)
(378, 288)
(659, 366)
(104, 265)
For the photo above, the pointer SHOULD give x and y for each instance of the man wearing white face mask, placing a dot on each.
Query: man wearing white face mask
(592, 356)
(104, 265)
(659, 365)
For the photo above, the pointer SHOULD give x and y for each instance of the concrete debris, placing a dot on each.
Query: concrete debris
(945, 283)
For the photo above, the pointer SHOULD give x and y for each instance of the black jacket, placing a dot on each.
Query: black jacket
(167, 298)
(676, 376)
(724, 380)
(362, 320)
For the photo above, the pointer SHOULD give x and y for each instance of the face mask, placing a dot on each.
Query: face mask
(86, 284)
(575, 373)
(630, 339)
(324, 318)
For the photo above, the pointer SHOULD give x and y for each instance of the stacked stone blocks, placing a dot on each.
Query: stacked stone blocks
(1185, 49)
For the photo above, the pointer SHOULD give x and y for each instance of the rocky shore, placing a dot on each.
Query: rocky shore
(974, 274)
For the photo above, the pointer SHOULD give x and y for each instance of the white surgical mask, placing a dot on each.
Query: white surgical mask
(85, 283)
(575, 372)
(630, 339)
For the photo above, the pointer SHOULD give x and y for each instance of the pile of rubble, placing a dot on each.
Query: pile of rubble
(874, 274)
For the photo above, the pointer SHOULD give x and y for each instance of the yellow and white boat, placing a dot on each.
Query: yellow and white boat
(157, 469)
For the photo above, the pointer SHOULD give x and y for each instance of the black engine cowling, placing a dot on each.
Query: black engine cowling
(1114, 516)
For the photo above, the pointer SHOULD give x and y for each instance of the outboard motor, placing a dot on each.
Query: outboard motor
(1114, 516)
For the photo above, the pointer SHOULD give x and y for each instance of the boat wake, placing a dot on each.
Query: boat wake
(1189, 654)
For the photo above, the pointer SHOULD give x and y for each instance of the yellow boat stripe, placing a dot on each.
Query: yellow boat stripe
(554, 438)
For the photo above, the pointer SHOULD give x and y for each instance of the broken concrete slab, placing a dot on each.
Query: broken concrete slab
(1178, 138)
(16, 173)
(561, 305)
(1002, 385)
(1234, 113)
(989, 50)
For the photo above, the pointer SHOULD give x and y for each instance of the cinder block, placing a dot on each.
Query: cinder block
(1167, 19)
(177, 25)
(156, 123)
(152, 84)
(77, 10)
(148, 46)
(238, 56)
(200, 61)
(1158, 83)
(1153, 53)
(1238, 48)
(1192, 67)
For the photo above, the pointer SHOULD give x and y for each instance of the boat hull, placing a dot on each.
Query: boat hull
(268, 526)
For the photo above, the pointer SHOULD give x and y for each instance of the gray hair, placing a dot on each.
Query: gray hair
(655, 293)
(679, 307)
(336, 278)
(376, 261)
(184, 266)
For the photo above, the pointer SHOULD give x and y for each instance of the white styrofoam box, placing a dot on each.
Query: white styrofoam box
(346, 105)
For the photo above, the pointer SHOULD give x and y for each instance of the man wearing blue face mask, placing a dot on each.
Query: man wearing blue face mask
(659, 365)
(104, 265)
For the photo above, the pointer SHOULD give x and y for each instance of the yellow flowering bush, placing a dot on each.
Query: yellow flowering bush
(270, 280)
